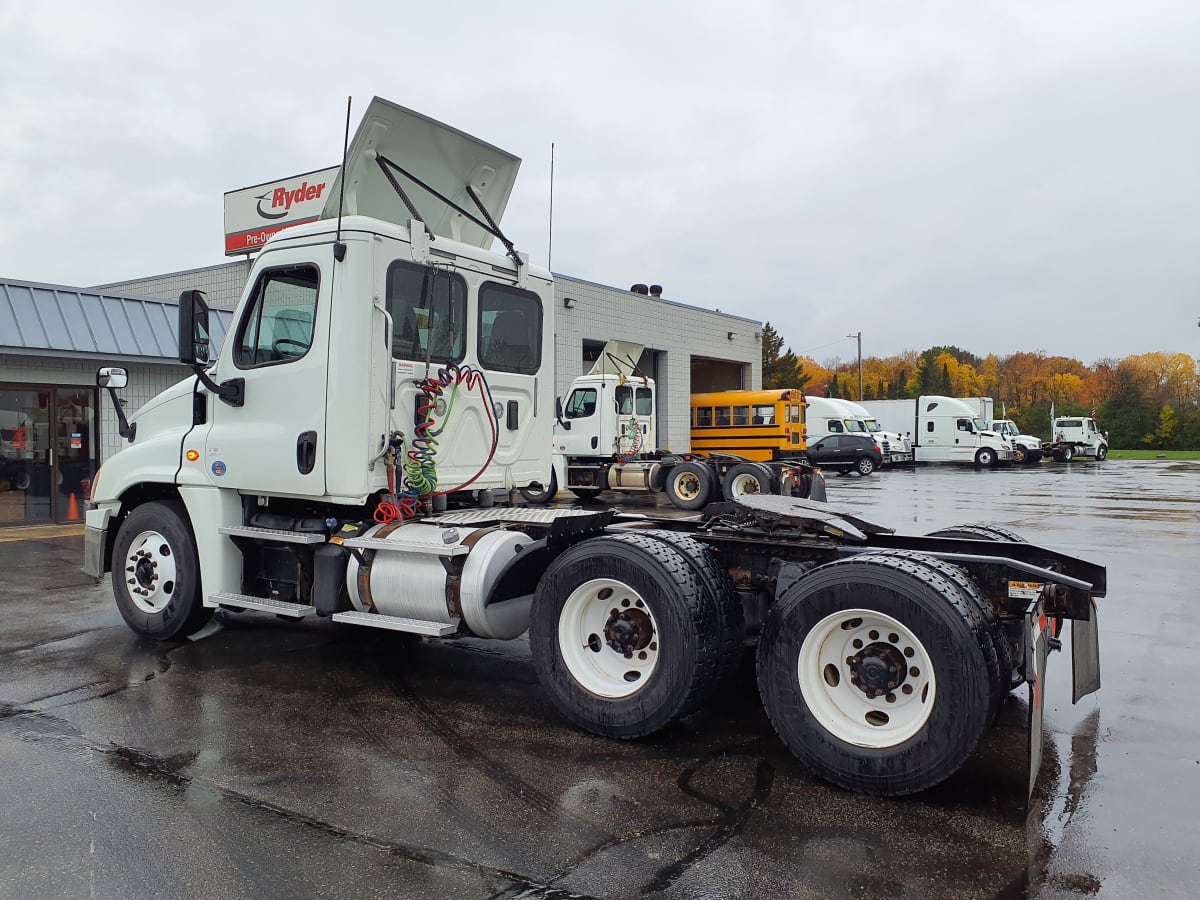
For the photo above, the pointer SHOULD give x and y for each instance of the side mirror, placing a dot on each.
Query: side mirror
(558, 414)
(112, 377)
(193, 328)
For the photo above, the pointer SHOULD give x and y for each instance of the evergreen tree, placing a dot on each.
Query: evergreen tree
(881, 390)
(945, 388)
(780, 369)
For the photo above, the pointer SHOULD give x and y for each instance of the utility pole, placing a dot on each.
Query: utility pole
(858, 337)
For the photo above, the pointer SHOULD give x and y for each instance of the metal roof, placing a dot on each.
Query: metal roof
(54, 320)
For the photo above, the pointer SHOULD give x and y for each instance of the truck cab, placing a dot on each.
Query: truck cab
(1077, 436)
(373, 355)
(949, 431)
(1026, 448)
(897, 448)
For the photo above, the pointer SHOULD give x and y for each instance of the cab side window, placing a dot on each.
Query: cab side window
(581, 404)
(510, 329)
(278, 325)
(429, 313)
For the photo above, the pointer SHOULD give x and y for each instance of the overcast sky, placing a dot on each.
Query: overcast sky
(1000, 176)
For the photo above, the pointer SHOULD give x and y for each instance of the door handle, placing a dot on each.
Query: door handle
(512, 415)
(306, 452)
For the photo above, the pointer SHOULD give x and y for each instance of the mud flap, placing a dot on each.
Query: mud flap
(1085, 654)
(1037, 634)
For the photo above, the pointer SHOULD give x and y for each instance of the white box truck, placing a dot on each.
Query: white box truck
(942, 429)
(386, 375)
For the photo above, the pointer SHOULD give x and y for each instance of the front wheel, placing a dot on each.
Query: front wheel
(533, 495)
(156, 573)
(1102, 452)
(874, 675)
(985, 457)
(865, 465)
(1019, 454)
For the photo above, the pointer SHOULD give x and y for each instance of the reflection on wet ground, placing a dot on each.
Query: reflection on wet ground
(312, 759)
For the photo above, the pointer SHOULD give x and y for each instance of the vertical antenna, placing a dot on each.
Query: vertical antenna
(550, 245)
(339, 249)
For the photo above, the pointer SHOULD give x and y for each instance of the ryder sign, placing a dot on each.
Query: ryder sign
(255, 213)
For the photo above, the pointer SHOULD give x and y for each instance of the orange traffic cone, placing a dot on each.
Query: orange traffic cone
(72, 509)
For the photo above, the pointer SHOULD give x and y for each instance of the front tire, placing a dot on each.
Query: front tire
(985, 458)
(1102, 452)
(624, 636)
(838, 650)
(156, 573)
(532, 495)
(1019, 454)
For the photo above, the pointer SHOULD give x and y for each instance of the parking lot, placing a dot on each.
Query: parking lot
(308, 759)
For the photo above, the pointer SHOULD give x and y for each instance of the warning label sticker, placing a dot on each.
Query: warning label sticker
(1025, 590)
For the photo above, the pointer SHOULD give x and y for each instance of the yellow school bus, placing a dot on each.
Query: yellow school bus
(759, 425)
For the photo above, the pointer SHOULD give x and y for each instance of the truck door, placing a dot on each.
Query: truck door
(965, 440)
(583, 412)
(634, 431)
(274, 443)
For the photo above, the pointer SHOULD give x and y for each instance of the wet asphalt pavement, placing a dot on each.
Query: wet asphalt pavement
(310, 759)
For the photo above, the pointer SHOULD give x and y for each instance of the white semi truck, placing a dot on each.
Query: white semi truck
(386, 364)
(605, 440)
(942, 429)
(1026, 448)
(1076, 437)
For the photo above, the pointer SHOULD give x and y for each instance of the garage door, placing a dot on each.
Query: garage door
(716, 375)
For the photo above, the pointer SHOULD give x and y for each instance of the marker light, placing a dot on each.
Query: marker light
(193, 455)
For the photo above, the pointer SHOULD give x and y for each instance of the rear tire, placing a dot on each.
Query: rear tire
(619, 594)
(864, 465)
(1068, 453)
(156, 573)
(979, 531)
(826, 710)
(690, 485)
(586, 493)
(749, 478)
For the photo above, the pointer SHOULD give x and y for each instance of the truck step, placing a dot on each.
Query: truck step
(272, 534)
(370, 543)
(396, 623)
(263, 604)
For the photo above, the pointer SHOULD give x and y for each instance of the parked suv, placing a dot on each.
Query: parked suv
(846, 453)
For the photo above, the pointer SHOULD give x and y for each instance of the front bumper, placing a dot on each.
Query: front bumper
(95, 542)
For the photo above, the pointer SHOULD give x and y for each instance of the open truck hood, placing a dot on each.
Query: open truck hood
(444, 158)
(617, 358)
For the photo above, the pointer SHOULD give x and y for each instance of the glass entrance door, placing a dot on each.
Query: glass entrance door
(74, 459)
(26, 458)
(47, 453)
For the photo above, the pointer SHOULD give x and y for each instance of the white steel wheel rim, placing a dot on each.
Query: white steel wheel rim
(687, 485)
(833, 688)
(150, 572)
(597, 618)
(745, 483)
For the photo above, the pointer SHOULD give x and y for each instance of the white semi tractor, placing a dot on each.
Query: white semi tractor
(605, 439)
(1026, 448)
(387, 375)
(942, 430)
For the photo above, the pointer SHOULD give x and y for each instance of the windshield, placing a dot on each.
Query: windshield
(873, 426)
(856, 426)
